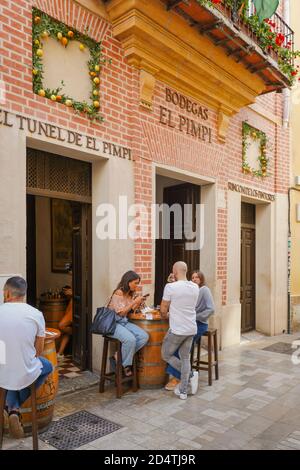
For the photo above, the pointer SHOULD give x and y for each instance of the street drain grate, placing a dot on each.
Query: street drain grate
(75, 430)
(282, 348)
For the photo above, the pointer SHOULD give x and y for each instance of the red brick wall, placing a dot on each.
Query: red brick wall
(128, 124)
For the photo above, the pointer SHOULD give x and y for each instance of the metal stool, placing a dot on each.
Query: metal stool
(117, 376)
(3, 393)
(197, 364)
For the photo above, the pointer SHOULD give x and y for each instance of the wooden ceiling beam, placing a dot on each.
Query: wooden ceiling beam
(174, 3)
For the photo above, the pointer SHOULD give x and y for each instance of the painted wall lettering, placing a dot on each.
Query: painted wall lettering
(194, 124)
(51, 131)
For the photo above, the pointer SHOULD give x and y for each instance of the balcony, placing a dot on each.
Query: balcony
(210, 53)
(228, 27)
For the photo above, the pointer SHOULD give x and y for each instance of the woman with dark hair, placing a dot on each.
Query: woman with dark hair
(204, 309)
(124, 300)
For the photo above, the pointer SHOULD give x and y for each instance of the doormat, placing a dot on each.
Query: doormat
(282, 348)
(77, 429)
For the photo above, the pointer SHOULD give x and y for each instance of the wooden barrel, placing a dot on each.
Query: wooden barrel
(53, 310)
(151, 367)
(47, 392)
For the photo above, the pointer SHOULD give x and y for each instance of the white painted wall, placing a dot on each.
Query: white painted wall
(45, 278)
(231, 313)
(111, 258)
(264, 267)
(12, 201)
(67, 64)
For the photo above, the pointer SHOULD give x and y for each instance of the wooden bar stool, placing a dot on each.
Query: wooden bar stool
(3, 393)
(197, 364)
(117, 376)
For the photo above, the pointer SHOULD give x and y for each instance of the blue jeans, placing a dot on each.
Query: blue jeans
(15, 398)
(132, 337)
(201, 329)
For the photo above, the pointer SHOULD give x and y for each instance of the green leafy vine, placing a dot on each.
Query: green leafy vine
(257, 135)
(43, 27)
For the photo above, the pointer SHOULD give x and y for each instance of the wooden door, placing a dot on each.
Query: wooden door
(82, 285)
(174, 249)
(248, 268)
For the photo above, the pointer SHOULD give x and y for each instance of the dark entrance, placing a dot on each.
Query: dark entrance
(174, 249)
(248, 267)
(82, 285)
(59, 230)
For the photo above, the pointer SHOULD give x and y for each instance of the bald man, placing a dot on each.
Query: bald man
(179, 304)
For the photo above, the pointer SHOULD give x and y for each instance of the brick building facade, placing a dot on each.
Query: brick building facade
(163, 153)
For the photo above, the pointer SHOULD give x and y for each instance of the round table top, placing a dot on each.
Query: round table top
(153, 315)
(52, 334)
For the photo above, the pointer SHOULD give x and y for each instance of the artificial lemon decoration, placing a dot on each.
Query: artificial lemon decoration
(39, 52)
(96, 104)
(95, 92)
(45, 34)
(53, 97)
(96, 80)
(81, 47)
(42, 92)
(68, 102)
(34, 72)
(97, 68)
(59, 36)
(70, 34)
(36, 42)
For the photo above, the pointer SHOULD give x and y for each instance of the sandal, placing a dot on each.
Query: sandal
(16, 429)
(128, 371)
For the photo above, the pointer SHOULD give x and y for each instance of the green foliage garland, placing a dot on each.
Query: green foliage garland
(43, 26)
(249, 131)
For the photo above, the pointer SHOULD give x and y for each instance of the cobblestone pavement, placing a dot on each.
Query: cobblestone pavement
(254, 405)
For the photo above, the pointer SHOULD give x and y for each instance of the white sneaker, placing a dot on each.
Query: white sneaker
(194, 382)
(182, 396)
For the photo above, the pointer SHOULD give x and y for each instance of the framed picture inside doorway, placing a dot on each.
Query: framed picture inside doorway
(61, 234)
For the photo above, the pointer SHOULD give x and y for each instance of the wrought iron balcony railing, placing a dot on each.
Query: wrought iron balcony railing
(279, 26)
(239, 32)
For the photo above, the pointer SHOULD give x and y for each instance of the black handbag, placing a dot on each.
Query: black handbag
(104, 322)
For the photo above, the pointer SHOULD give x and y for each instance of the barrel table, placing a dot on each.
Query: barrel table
(47, 392)
(53, 311)
(151, 367)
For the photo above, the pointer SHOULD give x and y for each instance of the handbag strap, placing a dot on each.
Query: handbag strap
(108, 302)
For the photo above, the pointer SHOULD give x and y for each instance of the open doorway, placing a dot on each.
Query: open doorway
(59, 261)
(168, 251)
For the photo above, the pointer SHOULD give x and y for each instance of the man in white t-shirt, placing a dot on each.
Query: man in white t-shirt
(22, 335)
(179, 304)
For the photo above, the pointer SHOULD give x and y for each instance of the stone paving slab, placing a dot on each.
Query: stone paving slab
(254, 405)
